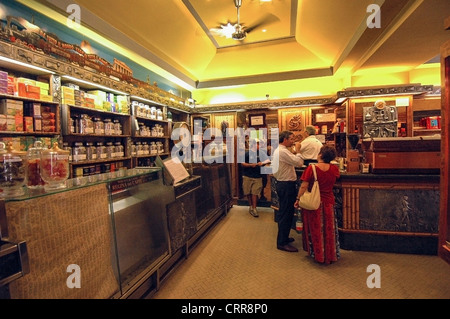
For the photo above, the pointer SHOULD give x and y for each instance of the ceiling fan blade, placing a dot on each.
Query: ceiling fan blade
(268, 19)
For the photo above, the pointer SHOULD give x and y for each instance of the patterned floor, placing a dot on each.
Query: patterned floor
(238, 260)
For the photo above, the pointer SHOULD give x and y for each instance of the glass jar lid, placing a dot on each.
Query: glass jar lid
(55, 150)
(37, 148)
(7, 150)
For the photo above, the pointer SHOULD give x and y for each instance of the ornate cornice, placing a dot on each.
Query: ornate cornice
(272, 104)
(389, 90)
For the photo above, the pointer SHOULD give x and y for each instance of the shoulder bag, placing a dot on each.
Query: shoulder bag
(311, 200)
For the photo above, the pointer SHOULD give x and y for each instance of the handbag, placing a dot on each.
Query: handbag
(311, 200)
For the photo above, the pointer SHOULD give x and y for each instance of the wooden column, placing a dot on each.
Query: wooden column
(444, 217)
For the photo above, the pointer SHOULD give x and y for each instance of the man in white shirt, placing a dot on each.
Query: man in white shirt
(284, 172)
(310, 147)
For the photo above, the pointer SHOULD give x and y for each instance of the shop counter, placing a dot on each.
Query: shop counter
(388, 212)
(385, 212)
(78, 238)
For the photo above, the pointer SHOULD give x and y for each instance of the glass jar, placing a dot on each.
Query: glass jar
(79, 152)
(153, 148)
(153, 112)
(68, 148)
(33, 167)
(110, 150)
(91, 151)
(159, 115)
(154, 131)
(160, 147)
(119, 149)
(117, 127)
(169, 116)
(133, 150)
(139, 149)
(82, 124)
(141, 110)
(109, 127)
(145, 148)
(54, 167)
(160, 130)
(99, 126)
(101, 150)
(13, 171)
(89, 125)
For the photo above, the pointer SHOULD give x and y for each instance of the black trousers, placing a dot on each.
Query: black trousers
(286, 192)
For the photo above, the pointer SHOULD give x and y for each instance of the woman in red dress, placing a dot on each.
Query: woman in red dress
(320, 234)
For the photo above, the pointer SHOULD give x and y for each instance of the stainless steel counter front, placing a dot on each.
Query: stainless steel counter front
(138, 212)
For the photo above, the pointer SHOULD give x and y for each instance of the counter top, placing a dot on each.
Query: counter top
(381, 177)
(387, 177)
(81, 182)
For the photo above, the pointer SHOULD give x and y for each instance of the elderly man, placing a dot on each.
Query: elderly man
(310, 147)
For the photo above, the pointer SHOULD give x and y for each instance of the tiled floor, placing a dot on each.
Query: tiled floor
(238, 260)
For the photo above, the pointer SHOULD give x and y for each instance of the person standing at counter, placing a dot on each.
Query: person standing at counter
(286, 178)
(320, 234)
(309, 148)
(251, 176)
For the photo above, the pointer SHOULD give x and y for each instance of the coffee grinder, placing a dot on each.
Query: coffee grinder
(353, 154)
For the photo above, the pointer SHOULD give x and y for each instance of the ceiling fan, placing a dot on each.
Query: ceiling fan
(238, 31)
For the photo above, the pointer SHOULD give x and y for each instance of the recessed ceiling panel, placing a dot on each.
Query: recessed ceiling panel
(260, 20)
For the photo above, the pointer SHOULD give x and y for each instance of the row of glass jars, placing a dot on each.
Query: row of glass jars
(90, 151)
(156, 130)
(150, 112)
(143, 148)
(85, 124)
(39, 167)
(97, 172)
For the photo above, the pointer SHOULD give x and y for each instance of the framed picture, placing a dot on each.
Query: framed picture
(257, 119)
(292, 120)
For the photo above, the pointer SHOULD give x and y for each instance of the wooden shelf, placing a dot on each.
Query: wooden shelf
(151, 155)
(25, 99)
(114, 159)
(15, 133)
(94, 110)
(151, 137)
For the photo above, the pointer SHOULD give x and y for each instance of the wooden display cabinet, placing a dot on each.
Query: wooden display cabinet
(69, 112)
(28, 105)
(356, 106)
(137, 136)
(32, 108)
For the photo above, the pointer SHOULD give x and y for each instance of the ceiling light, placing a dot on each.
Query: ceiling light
(225, 30)
(340, 100)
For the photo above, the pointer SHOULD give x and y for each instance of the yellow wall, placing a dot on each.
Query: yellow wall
(321, 86)
(426, 75)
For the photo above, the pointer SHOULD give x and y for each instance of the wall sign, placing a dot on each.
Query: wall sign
(325, 117)
(257, 119)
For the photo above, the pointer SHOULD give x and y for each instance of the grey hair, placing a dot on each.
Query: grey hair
(311, 130)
